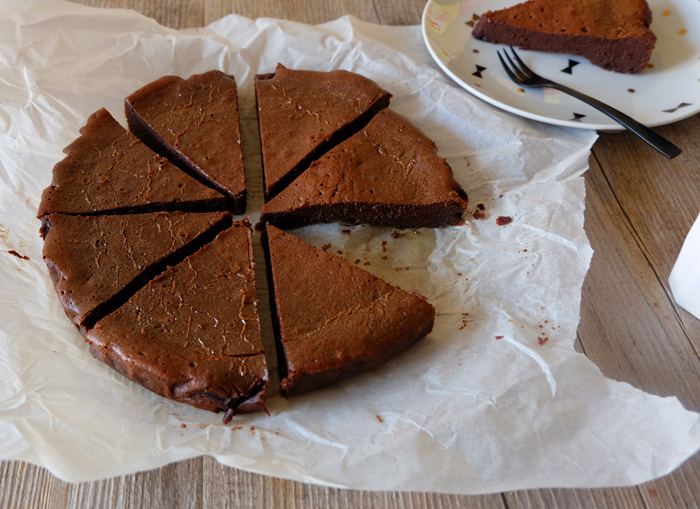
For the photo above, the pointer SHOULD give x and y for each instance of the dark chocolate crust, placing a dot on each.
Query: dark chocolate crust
(107, 170)
(435, 215)
(97, 262)
(388, 174)
(332, 319)
(193, 333)
(302, 114)
(195, 124)
(612, 35)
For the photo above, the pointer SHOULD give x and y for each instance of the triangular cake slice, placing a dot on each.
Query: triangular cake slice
(612, 35)
(107, 170)
(195, 124)
(332, 319)
(302, 114)
(96, 262)
(193, 333)
(388, 174)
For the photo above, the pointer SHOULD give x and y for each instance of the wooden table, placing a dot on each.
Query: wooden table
(639, 207)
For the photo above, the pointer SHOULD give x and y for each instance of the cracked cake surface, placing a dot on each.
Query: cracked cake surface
(612, 35)
(192, 334)
(302, 114)
(194, 122)
(108, 170)
(388, 174)
(92, 259)
(332, 319)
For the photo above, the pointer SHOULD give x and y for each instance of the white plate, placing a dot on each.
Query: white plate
(667, 91)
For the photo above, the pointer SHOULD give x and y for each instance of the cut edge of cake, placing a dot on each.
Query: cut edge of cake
(140, 127)
(351, 127)
(370, 353)
(190, 196)
(217, 382)
(305, 201)
(85, 321)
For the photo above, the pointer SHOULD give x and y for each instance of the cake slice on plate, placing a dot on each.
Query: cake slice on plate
(96, 262)
(387, 174)
(195, 124)
(332, 319)
(302, 114)
(193, 333)
(107, 170)
(612, 35)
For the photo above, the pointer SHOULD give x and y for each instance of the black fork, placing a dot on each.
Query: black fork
(523, 75)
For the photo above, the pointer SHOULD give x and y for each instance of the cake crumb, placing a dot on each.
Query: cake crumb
(397, 235)
(499, 337)
(339, 252)
(480, 206)
(479, 215)
(384, 246)
(542, 340)
(326, 247)
(15, 253)
(503, 220)
(380, 419)
(357, 261)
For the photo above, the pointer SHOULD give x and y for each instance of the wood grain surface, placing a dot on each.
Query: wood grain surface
(639, 207)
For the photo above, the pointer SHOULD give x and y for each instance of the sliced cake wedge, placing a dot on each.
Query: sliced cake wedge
(612, 35)
(97, 262)
(302, 114)
(388, 174)
(332, 319)
(107, 170)
(193, 333)
(195, 124)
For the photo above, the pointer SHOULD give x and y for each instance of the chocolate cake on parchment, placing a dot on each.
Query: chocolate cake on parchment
(96, 261)
(332, 319)
(195, 124)
(107, 170)
(192, 334)
(388, 174)
(302, 114)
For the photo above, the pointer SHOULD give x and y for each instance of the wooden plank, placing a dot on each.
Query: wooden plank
(245, 490)
(660, 200)
(178, 485)
(609, 498)
(629, 327)
(297, 10)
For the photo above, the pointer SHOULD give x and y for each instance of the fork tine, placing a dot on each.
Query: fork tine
(518, 72)
(521, 65)
(510, 73)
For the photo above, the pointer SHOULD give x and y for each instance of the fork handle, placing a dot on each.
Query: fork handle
(658, 142)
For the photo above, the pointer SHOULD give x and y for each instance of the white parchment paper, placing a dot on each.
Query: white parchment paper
(494, 399)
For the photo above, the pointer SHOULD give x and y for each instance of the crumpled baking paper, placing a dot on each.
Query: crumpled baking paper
(494, 399)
